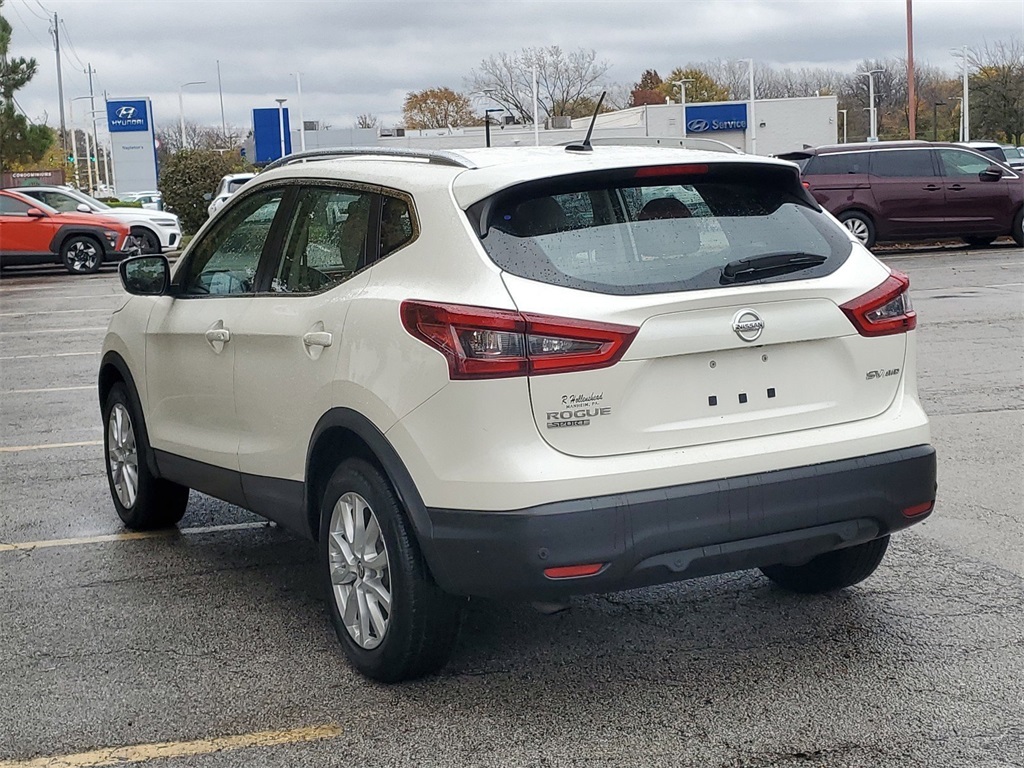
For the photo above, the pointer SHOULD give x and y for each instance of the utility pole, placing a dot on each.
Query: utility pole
(220, 90)
(92, 114)
(302, 121)
(965, 111)
(60, 86)
(911, 89)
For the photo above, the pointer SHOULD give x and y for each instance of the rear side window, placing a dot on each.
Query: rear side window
(903, 163)
(840, 163)
(650, 234)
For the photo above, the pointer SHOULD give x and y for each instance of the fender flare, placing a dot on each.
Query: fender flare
(113, 360)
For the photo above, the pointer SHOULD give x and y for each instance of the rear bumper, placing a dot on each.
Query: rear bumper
(686, 531)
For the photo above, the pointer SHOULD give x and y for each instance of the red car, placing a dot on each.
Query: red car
(34, 233)
(915, 190)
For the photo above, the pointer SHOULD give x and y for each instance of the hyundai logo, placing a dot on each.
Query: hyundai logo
(747, 324)
(126, 113)
(698, 126)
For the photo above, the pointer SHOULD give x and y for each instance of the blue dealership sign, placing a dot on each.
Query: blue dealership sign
(266, 129)
(127, 116)
(716, 117)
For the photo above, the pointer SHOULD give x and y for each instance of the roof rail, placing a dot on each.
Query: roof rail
(439, 156)
(690, 142)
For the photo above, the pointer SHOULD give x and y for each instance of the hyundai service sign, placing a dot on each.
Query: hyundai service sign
(133, 149)
(716, 117)
(124, 116)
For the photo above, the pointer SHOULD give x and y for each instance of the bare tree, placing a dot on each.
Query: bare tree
(568, 83)
(367, 120)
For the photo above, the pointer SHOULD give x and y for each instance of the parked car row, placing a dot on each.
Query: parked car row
(915, 190)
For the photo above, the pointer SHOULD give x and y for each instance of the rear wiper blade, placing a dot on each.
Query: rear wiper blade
(769, 265)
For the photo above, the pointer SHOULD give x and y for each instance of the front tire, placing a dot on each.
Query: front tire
(393, 621)
(148, 242)
(861, 226)
(81, 255)
(832, 570)
(1018, 228)
(142, 500)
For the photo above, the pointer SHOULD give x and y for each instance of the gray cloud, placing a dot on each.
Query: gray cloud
(362, 56)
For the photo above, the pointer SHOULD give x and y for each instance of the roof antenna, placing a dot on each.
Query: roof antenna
(585, 146)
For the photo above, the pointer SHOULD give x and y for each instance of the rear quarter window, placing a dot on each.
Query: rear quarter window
(614, 233)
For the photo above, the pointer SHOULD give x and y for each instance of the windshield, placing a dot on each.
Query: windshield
(659, 234)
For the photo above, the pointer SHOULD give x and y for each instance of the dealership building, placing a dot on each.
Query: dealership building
(766, 127)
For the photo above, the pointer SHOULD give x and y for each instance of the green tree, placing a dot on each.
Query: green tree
(20, 140)
(703, 88)
(437, 108)
(997, 92)
(187, 176)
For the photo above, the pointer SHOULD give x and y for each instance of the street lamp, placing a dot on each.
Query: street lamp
(181, 106)
(843, 111)
(682, 98)
(280, 117)
(965, 118)
(935, 119)
(487, 124)
(74, 144)
(870, 74)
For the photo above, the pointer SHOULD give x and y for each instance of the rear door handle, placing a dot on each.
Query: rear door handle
(957, 187)
(932, 187)
(318, 339)
(221, 335)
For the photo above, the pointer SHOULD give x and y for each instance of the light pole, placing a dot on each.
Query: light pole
(870, 74)
(751, 119)
(965, 112)
(682, 98)
(302, 122)
(181, 106)
(106, 152)
(961, 100)
(280, 117)
(487, 125)
(935, 119)
(74, 143)
(843, 111)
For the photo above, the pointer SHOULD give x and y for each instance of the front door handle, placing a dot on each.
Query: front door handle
(318, 339)
(221, 335)
(932, 187)
(957, 187)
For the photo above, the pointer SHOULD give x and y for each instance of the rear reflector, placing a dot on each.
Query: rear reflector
(483, 343)
(918, 509)
(883, 310)
(573, 571)
(670, 170)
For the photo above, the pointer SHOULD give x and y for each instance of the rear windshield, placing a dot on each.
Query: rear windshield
(630, 233)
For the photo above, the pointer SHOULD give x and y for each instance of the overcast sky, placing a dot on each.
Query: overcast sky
(364, 56)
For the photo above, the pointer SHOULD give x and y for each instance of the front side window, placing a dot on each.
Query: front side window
(11, 206)
(326, 241)
(224, 262)
(625, 236)
(903, 163)
(956, 162)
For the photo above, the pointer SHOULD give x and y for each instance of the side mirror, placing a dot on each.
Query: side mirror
(83, 208)
(35, 213)
(146, 275)
(208, 196)
(992, 173)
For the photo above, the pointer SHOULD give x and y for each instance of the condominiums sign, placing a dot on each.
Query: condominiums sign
(130, 123)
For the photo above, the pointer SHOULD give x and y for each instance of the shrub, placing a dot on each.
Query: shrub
(188, 176)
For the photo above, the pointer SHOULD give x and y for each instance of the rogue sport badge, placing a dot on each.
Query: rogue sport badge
(747, 324)
(126, 113)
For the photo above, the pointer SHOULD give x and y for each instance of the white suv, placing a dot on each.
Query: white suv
(526, 372)
(155, 231)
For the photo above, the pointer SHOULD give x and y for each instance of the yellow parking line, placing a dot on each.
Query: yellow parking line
(47, 446)
(26, 546)
(142, 753)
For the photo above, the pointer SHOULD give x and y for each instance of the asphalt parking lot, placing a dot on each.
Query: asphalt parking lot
(210, 646)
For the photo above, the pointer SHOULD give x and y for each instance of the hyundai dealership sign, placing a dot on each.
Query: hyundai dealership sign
(716, 117)
(130, 122)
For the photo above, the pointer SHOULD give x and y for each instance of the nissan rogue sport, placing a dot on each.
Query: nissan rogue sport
(523, 372)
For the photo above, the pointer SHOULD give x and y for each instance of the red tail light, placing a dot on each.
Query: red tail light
(573, 571)
(482, 343)
(883, 310)
(670, 170)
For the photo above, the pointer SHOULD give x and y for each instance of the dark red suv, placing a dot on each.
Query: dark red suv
(914, 190)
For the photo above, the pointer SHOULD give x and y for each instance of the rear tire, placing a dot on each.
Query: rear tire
(861, 226)
(832, 570)
(392, 620)
(142, 500)
(1018, 228)
(81, 255)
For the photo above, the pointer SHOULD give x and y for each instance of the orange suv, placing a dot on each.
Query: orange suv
(34, 233)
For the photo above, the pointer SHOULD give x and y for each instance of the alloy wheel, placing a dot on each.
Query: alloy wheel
(82, 256)
(360, 572)
(859, 229)
(122, 455)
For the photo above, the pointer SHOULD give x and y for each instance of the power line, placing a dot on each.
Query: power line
(67, 39)
(46, 10)
(32, 10)
(25, 26)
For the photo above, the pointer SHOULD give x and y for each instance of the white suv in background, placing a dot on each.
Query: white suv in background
(226, 188)
(155, 231)
(525, 372)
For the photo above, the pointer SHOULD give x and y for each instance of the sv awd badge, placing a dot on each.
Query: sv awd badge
(747, 324)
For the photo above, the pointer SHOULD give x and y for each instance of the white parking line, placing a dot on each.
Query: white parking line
(121, 296)
(55, 354)
(52, 330)
(46, 389)
(51, 312)
(47, 446)
(128, 536)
